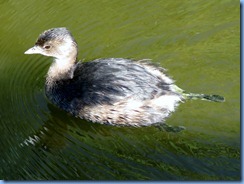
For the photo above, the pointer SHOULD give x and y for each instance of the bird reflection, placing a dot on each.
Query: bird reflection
(52, 135)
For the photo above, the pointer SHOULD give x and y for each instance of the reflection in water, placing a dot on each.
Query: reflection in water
(50, 135)
(122, 152)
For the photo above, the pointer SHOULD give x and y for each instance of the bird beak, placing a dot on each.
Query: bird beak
(33, 50)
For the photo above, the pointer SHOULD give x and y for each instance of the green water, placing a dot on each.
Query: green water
(198, 41)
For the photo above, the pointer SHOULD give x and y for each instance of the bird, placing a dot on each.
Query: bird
(112, 91)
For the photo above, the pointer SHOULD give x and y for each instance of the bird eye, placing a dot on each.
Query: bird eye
(47, 47)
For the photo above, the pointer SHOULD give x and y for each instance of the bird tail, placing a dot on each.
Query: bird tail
(195, 96)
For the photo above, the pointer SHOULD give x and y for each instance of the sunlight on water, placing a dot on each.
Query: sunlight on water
(197, 41)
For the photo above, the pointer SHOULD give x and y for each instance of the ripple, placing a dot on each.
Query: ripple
(25, 94)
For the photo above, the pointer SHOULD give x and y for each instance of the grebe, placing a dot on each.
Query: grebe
(113, 91)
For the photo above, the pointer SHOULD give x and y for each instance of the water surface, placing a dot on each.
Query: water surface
(197, 41)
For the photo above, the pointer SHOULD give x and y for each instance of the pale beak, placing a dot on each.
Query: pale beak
(33, 50)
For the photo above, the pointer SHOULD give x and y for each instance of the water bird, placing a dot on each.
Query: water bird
(114, 91)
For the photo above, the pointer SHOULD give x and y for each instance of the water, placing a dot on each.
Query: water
(197, 41)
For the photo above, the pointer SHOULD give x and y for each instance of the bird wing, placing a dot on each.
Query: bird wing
(105, 81)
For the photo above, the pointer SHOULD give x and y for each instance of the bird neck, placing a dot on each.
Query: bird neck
(64, 62)
(61, 68)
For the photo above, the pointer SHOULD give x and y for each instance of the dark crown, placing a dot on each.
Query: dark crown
(54, 33)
